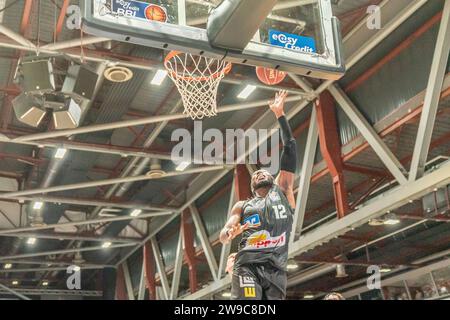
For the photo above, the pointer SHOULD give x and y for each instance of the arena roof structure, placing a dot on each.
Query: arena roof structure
(372, 187)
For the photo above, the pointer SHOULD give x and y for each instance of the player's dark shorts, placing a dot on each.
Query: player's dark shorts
(258, 282)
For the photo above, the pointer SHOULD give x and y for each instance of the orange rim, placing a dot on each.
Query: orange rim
(173, 54)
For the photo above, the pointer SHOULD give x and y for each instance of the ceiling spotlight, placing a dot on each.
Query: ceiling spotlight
(15, 283)
(38, 205)
(7, 266)
(76, 268)
(385, 270)
(391, 219)
(29, 109)
(135, 212)
(31, 241)
(226, 294)
(248, 90)
(292, 266)
(45, 283)
(340, 271)
(106, 244)
(159, 77)
(183, 165)
(67, 117)
(308, 296)
(60, 153)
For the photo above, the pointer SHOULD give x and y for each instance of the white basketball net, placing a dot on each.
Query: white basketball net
(197, 79)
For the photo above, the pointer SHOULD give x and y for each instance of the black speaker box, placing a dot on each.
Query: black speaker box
(80, 82)
(38, 77)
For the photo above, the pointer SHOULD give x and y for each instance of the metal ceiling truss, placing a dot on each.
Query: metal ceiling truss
(357, 46)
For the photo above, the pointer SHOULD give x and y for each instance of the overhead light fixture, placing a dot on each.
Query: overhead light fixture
(76, 268)
(29, 109)
(308, 296)
(248, 90)
(391, 219)
(106, 244)
(159, 77)
(7, 266)
(45, 283)
(292, 266)
(226, 294)
(60, 153)
(135, 212)
(385, 270)
(183, 165)
(38, 205)
(340, 271)
(31, 241)
(15, 283)
(67, 117)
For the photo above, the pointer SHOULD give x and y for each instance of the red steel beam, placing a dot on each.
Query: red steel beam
(189, 250)
(121, 291)
(149, 264)
(242, 183)
(26, 16)
(394, 53)
(330, 147)
(61, 19)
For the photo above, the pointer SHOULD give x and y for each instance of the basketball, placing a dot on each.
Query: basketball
(270, 76)
(156, 13)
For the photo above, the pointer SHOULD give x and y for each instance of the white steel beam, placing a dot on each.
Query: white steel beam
(432, 97)
(161, 268)
(305, 176)
(225, 252)
(178, 266)
(14, 292)
(141, 289)
(128, 283)
(368, 132)
(206, 245)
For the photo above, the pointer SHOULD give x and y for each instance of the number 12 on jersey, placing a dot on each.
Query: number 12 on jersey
(280, 211)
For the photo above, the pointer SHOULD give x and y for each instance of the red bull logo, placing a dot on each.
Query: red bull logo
(263, 240)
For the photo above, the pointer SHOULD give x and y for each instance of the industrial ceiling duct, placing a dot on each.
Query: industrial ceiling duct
(118, 74)
(29, 109)
(78, 259)
(340, 271)
(155, 169)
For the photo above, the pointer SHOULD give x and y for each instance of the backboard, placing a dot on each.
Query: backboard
(300, 36)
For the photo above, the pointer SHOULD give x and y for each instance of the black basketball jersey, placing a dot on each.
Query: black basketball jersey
(270, 219)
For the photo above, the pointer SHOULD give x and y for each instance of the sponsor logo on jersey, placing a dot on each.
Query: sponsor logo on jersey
(274, 196)
(250, 292)
(254, 221)
(263, 240)
(246, 282)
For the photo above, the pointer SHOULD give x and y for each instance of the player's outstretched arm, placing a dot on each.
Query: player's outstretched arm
(289, 162)
(233, 228)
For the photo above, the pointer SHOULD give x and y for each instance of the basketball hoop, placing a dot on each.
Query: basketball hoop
(197, 79)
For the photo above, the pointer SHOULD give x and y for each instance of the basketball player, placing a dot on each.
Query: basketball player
(265, 222)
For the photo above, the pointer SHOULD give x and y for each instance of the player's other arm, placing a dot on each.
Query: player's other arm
(233, 228)
(289, 161)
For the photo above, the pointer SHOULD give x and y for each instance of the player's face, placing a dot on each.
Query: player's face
(261, 178)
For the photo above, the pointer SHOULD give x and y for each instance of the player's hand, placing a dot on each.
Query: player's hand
(230, 263)
(277, 105)
(236, 230)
